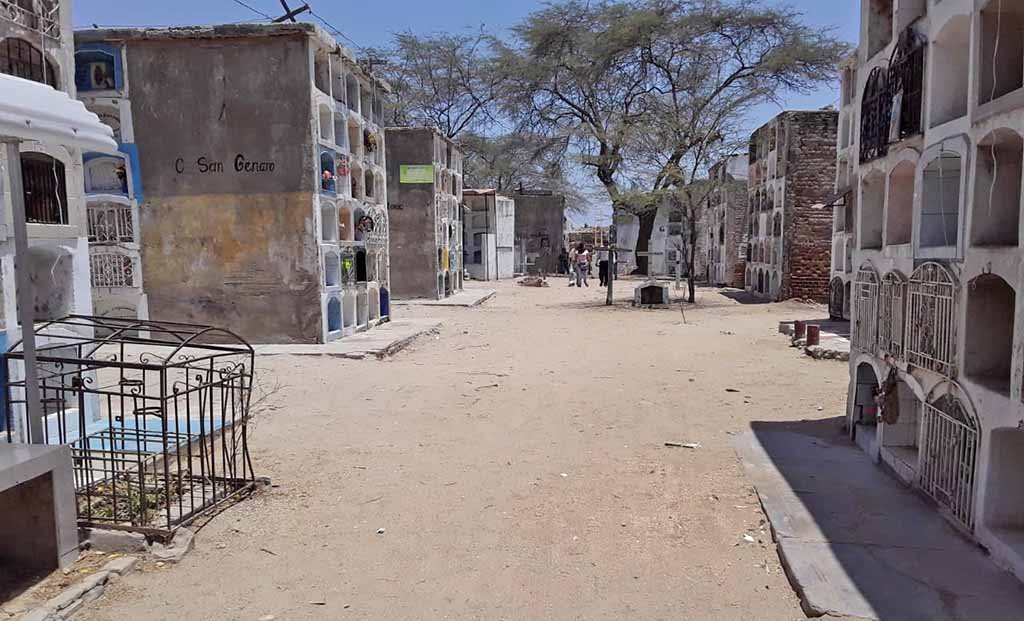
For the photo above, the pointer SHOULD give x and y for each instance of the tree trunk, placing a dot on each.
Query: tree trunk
(643, 241)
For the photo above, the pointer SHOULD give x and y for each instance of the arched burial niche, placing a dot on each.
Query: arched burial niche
(988, 345)
(950, 67)
(940, 204)
(328, 222)
(52, 274)
(899, 217)
(872, 205)
(1001, 59)
(864, 411)
(346, 225)
(835, 299)
(332, 270)
(995, 219)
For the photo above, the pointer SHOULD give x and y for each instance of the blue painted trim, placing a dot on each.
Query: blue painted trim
(132, 151)
(94, 52)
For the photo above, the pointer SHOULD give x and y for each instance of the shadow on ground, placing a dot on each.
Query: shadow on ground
(743, 297)
(855, 542)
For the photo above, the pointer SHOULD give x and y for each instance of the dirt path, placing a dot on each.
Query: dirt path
(517, 466)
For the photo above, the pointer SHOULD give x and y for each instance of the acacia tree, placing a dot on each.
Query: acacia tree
(656, 90)
(447, 81)
(577, 73)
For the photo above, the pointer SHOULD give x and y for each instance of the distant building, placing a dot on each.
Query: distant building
(725, 223)
(540, 230)
(792, 172)
(595, 236)
(425, 207)
(489, 236)
(264, 209)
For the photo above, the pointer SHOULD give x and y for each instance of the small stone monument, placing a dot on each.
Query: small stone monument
(651, 293)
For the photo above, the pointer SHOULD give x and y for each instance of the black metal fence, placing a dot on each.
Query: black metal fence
(156, 414)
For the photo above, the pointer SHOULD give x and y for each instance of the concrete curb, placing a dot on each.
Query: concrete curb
(69, 601)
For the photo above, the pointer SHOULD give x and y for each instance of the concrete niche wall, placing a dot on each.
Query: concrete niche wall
(228, 220)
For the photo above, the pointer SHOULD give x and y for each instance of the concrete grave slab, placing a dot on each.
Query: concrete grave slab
(385, 340)
(466, 298)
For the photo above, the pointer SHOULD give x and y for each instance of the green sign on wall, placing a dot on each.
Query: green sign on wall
(416, 173)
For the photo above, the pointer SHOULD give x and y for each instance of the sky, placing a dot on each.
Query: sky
(371, 24)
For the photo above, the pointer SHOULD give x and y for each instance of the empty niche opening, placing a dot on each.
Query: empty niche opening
(334, 315)
(352, 92)
(345, 224)
(879, 25)
(52, 275)
(341, 131)
(332, 270)
(997, 193)
(447, 284)
(899, 217)
(901, 437)
(362, 314)
(1002, 49)
(322, 72)
(360, 266)
(355, 138)
(940, 204)
(872, 207)
(329, 223)
(369, 183)
(991, 303)
(950, 68)
(365, 102)
(865, 411)
(385, 302)
(374, 304)
(776, 284)
(355, 173)
(326, 124)
(349, 309)
(440, 285)
(1005, 504)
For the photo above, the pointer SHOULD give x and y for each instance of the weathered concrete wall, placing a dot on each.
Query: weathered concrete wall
(540, 224)
(411, 213)
(811, 169)
(223, 128)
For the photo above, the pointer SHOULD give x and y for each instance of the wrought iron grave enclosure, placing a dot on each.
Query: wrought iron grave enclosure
(156, 415)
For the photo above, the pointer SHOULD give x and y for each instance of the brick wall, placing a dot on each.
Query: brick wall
(810, 175)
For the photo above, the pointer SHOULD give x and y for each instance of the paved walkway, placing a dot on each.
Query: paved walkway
(467, 297)
(856, 543)
(383, 340)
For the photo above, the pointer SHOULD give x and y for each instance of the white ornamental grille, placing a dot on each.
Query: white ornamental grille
(949, 451)
(931, 337)
(112, 270)
(110, 224)
(865, 294)
(892, 310)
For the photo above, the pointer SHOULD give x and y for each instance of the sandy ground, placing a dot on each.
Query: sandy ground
(517, 466)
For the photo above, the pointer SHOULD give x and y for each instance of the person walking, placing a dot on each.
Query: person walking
(582, 265)
(602, 267)
(573, 278)
(563, 262)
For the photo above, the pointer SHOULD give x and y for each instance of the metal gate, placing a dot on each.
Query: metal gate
(865, 312)
(949, 451)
